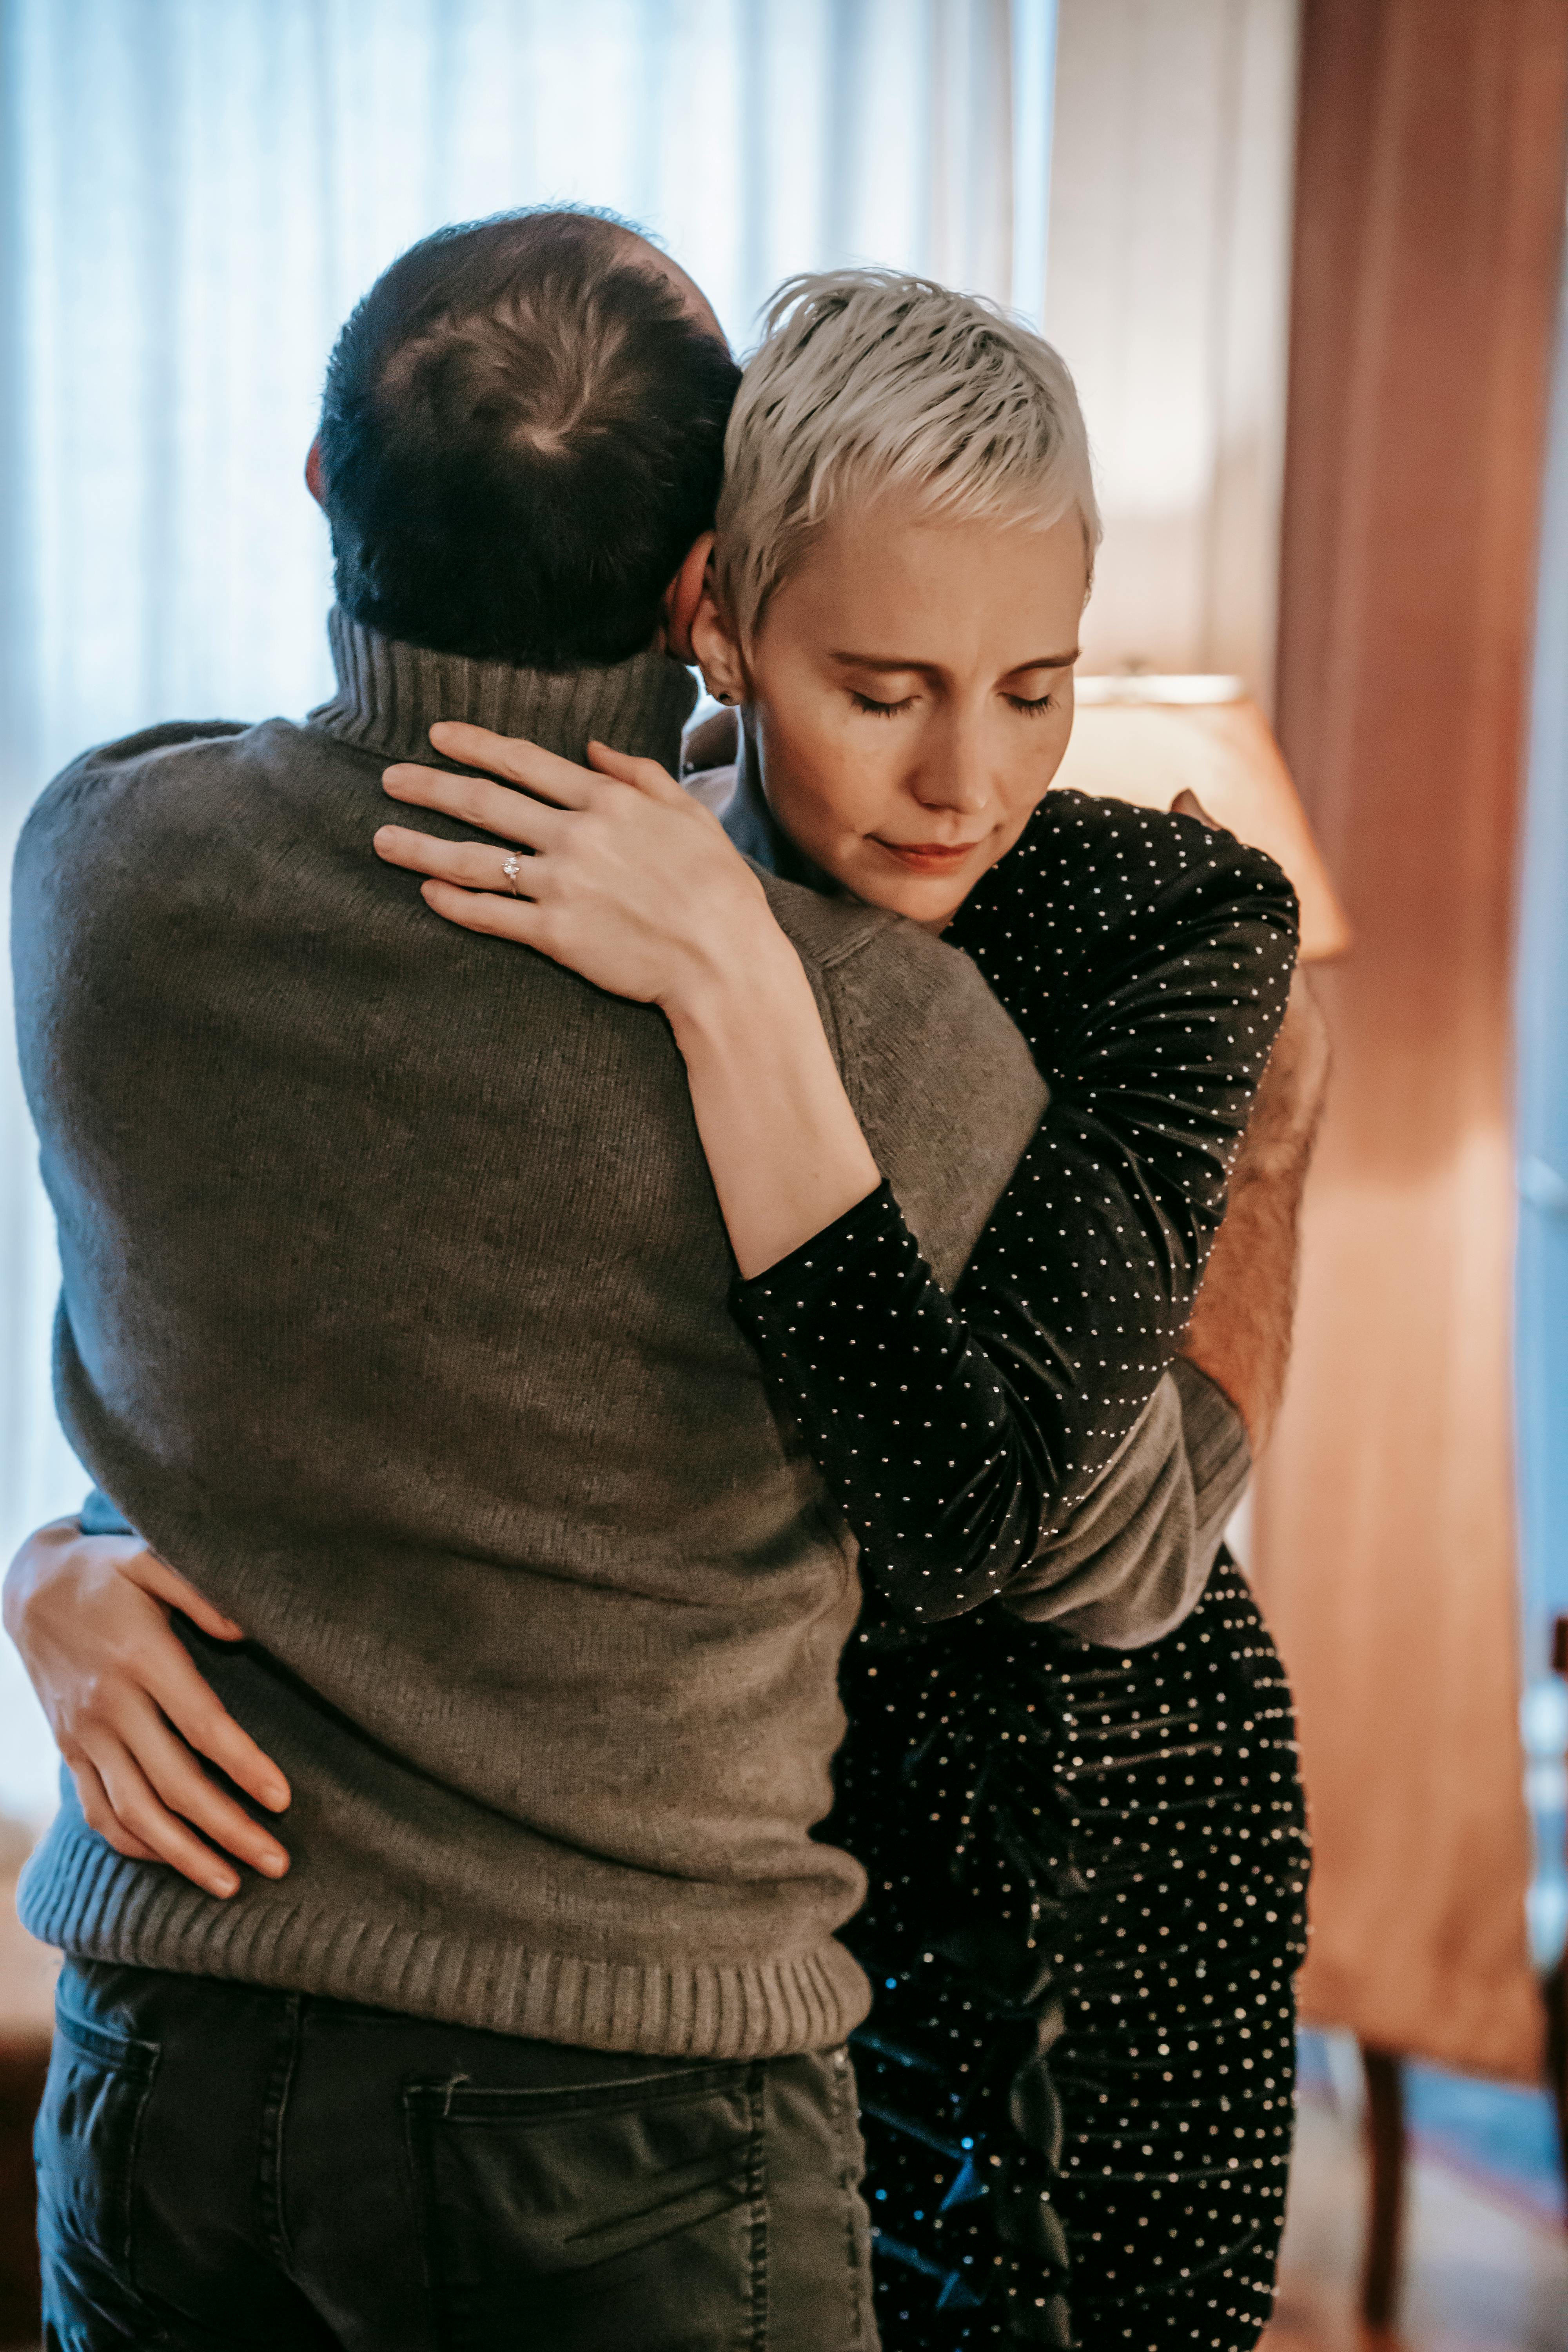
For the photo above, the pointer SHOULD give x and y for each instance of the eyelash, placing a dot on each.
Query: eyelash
(1025, 709)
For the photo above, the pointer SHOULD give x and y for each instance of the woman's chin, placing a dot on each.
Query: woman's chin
(866, 871)
(931, 900)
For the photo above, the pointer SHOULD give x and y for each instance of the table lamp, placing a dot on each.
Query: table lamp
(1147, 738)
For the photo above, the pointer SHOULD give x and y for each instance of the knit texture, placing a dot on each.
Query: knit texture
(395, 1314)
(389, 696)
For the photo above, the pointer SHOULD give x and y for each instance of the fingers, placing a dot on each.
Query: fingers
(467, 863)
(553, 779)
(128, 1706)
(166, 1584)
(647, 775)
(1188, 804)
(165, 1670)
(474, 800)
(177, 1782)
(176, 1687)
(482, 910)
(145, 1654)
(99, 1813)
(134, 1810)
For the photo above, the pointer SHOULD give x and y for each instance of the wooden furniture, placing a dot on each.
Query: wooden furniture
(28, 1973)
(23, 2060)
(1557, 1982)
(1387, 2147)
(1385, 2166)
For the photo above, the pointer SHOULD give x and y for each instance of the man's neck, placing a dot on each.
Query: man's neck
(391, 693)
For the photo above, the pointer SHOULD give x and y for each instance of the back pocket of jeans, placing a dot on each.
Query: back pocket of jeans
(579, 2217)
(85, 2136)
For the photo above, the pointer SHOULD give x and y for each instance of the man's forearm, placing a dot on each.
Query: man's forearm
(1136, 1554)
(1240, 1329)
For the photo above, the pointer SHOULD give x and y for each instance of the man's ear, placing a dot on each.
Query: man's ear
(683, 597)
(315, 481)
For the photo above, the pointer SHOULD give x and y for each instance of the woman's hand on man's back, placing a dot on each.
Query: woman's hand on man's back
(129, 1711)
(618, 874)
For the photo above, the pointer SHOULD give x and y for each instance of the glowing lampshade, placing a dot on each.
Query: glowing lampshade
(1148, 739)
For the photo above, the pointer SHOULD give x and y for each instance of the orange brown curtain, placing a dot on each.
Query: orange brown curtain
(1430, 196)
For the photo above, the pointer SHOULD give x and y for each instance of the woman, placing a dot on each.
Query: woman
(1075, 1853)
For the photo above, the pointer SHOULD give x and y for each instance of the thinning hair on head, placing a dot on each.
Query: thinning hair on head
(867, 383)
(522, 436)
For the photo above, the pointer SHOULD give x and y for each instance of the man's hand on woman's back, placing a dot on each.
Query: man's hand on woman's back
(1240, 1330)
(129, 1711)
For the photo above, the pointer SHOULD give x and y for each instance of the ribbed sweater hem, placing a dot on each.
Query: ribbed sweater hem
(82, 1896)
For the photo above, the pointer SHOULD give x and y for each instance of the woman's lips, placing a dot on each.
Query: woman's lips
(929, 856)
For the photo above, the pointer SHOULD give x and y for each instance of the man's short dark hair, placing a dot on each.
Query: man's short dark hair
(523, 434)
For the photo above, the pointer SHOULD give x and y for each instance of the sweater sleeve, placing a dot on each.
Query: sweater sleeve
(1147, 960)
(1135, 1557)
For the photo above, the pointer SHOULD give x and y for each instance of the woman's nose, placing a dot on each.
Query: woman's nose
(956, 777)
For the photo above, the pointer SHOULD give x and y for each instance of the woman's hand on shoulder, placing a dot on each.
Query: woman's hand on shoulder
(616, 873)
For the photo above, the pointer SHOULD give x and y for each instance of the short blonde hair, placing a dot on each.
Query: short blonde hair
(867, 381)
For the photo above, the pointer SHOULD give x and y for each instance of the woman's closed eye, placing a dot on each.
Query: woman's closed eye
(1027, 705)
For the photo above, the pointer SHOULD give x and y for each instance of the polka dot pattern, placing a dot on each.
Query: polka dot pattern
(1088, 1870)
(1088, 1877)
(1147, 959)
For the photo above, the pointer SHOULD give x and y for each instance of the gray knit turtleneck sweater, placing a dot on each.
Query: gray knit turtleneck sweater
(394, 1314)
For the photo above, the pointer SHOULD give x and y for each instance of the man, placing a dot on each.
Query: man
(394, 1314)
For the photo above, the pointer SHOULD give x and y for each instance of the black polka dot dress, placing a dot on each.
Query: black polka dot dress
(1088, 1892)
(1087, 1867)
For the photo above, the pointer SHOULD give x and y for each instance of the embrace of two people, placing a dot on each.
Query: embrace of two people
(662, 1750)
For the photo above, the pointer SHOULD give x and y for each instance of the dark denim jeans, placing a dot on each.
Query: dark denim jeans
(222, 2168)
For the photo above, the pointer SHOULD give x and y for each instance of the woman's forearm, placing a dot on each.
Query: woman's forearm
(1148, 968)
(781, 1137)
(633, 884)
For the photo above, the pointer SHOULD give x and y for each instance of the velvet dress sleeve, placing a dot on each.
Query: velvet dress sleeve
(1147, 960)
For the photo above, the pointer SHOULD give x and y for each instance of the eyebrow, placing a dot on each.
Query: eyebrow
(884, 666)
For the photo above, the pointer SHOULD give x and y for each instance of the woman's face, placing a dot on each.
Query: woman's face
(911, 696)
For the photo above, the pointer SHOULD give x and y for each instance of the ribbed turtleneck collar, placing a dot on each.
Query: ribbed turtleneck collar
(390, 695)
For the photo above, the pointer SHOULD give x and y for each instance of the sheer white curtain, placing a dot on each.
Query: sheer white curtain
(1169, 213)
(192, 193)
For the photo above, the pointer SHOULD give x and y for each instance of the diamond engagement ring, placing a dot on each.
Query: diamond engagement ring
(511, 867)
